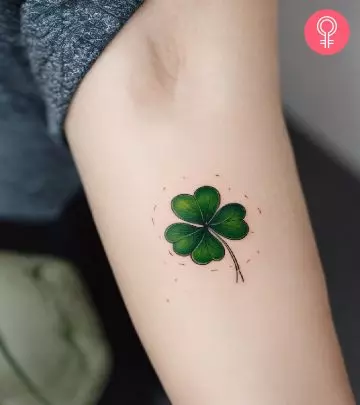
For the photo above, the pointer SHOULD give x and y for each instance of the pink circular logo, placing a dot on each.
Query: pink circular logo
(327, 32)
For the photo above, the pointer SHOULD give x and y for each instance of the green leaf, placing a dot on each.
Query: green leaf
(208, 199)
(185, 237)
(229, 222)
(187, 208)
(208, 249)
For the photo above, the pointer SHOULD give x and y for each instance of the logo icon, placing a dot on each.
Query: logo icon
(327, 27)
(327, 32)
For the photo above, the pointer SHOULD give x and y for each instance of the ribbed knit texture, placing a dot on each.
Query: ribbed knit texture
(46, 48)
(63, 38)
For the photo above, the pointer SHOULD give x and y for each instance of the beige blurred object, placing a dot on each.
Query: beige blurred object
(52, 350)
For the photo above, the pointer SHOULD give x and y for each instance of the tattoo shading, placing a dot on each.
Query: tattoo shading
(204, 241)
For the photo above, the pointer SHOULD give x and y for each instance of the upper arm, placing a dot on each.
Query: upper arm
(185, 97)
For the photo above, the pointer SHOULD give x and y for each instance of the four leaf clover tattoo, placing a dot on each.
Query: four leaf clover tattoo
(204, 240)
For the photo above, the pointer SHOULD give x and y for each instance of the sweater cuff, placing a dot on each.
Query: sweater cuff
(63, 39)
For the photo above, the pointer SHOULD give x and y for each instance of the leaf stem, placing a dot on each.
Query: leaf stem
(236, 263)
(21, 374)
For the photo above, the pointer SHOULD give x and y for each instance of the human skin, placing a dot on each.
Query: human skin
(187, 95)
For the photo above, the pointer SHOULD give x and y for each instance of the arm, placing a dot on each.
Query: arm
(187, 95)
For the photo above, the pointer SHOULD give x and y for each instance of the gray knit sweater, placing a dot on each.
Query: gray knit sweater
(46, 48)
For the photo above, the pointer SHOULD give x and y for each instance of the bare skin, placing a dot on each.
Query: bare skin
(188, 95)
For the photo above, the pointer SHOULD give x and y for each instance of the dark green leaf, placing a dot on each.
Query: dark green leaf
(208, 249)
(187, 208)
(229, 222)
(185, 237)
(208, 199)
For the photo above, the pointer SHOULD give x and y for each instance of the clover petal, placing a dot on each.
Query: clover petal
(206, 242)
(185, 237)
(208, 199)
(229, 222)
(187, 208)
(208, 249)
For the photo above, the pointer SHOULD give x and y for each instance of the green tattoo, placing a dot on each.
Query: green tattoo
(204, 242)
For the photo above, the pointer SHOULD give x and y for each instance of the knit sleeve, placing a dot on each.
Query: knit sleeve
(63, 39)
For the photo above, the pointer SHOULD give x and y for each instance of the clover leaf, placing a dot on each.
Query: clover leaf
(205, 227)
